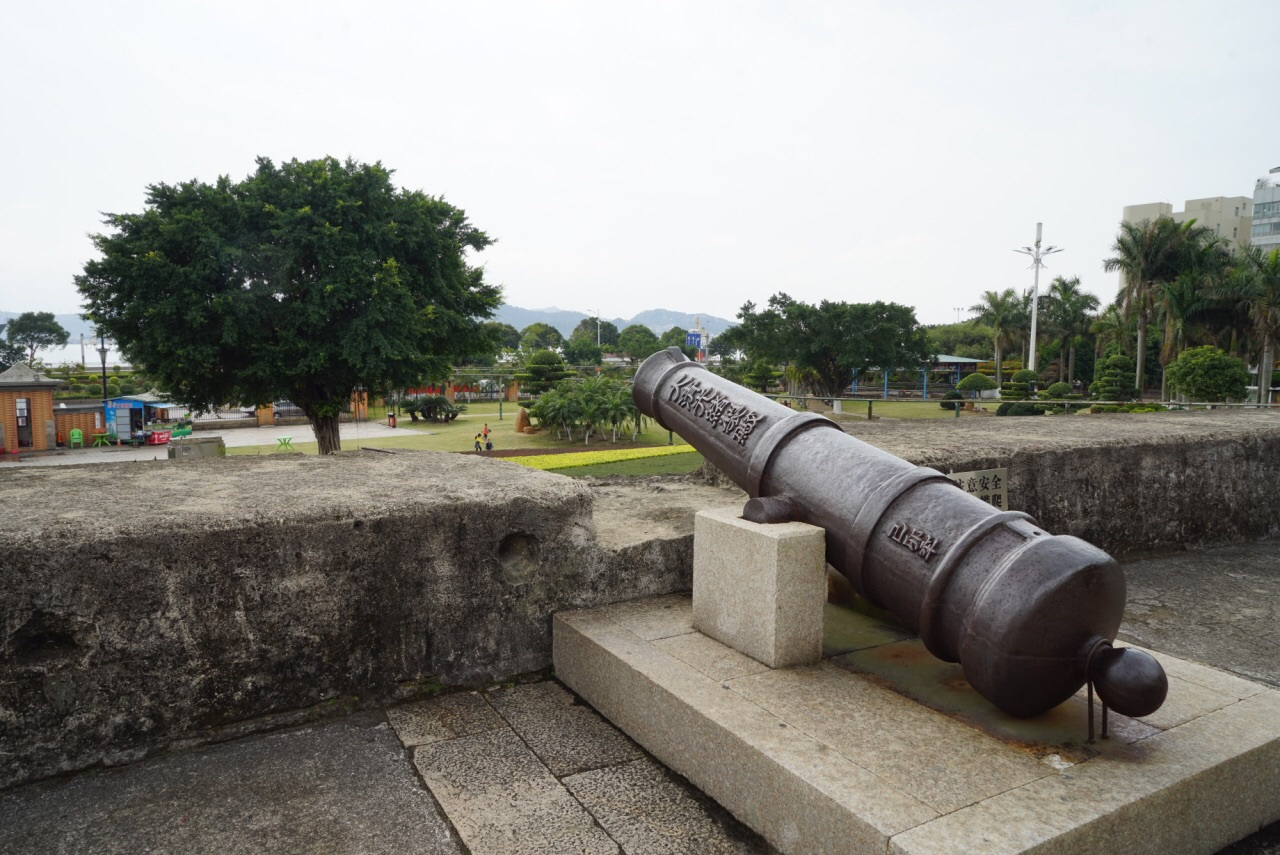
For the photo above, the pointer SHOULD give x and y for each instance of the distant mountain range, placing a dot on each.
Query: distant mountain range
(658, 320)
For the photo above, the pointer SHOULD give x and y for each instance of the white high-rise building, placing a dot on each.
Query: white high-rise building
(1266, 215)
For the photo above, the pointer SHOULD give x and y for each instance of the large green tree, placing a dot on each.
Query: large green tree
(504, 336)
(831, 342)
(302, 282)
(581, 350)
(607, 331)
(676, 337)
(32, 331)
(637, 342)
(540, 336)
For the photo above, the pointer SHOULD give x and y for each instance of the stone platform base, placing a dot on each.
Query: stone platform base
(881, 748)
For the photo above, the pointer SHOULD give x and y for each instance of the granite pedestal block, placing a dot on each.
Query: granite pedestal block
(760, 589)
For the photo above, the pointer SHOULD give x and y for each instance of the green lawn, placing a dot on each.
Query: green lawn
(459, 435)
(675, 464)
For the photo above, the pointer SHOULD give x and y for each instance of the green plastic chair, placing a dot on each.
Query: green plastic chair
(77, 438)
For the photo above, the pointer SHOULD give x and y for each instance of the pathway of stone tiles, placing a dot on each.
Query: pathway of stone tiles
(523, 769)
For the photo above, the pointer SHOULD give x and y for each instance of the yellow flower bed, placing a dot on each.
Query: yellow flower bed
(591, 458)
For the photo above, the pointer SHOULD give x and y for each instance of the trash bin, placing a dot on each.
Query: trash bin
(391, 420)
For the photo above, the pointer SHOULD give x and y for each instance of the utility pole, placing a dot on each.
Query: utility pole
(1037, 255)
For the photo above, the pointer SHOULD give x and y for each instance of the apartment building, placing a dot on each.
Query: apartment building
(1266, 215)
(1231, 217)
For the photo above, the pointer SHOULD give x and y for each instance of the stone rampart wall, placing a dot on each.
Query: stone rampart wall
(151, 605)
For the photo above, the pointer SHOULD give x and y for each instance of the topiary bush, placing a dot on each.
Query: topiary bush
(1016, 391)
(1114, 379)
(1058, 390)
(1026, 375)
(1020, 408)
(950, 401)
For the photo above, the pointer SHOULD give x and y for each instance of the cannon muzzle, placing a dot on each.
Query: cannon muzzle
(1020, 609)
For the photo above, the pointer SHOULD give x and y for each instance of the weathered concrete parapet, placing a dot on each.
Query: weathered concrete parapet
(149, 604)
(1126, 483)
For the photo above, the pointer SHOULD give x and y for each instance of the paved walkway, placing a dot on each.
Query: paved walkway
(349, 432)
(529, 768)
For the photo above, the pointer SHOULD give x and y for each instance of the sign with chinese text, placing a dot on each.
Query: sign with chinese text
(989, 485)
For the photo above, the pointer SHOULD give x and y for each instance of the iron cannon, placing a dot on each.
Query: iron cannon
(1029, 616)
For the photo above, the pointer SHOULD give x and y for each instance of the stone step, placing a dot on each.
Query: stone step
(881, 748)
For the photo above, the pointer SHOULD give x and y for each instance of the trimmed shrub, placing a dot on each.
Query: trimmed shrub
(1026, 375)
(976, 382)
(1208, 374)
(1020, 408)
(1114, 380)
(949, 400)
(1058, 390)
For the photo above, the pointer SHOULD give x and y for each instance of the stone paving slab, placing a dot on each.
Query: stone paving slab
(503, 800)
(1191, 782)
(447, 717)
(340, 788)
(651, 811)
(556, 777)
(566, 734)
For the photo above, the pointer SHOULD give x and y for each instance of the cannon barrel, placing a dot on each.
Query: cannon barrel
(1024, 612)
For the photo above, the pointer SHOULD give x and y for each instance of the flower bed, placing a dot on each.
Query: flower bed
(591, 458)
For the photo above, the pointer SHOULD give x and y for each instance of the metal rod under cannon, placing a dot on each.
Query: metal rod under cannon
(1029, 616)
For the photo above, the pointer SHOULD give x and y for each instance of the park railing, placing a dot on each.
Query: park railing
(866, 407)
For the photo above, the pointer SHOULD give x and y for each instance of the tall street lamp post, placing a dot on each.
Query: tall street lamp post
(102, 353)
(1037, 254)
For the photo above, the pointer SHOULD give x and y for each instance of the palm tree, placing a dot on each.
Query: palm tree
(1147, 255)
(1000, 312)
(1108, 327)
(1071, 313)
(1254, 285)
(617, 408)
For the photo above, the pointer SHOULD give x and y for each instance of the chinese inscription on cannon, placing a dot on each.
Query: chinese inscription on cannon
(713, 406)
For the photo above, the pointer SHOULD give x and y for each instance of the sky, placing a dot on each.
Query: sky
(628, 156)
